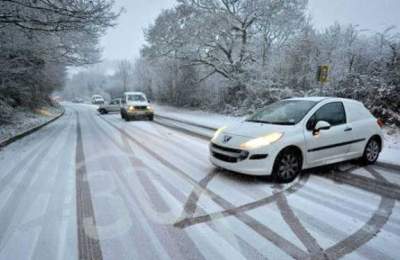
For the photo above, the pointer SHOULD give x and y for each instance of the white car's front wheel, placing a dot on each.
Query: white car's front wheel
(287, 166)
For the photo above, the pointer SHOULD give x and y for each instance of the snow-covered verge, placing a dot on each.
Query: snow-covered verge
(23, 119)
(390, 153)
(208, 119)
(391, 150)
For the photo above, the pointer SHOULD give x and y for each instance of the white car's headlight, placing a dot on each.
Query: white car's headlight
(261, 141)
(217, 133)
(149, 108)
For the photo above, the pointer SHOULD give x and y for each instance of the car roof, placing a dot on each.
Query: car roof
(320, 99)
(133, 93)
(316, 99)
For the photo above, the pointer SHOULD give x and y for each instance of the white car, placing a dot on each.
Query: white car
(113, 106)
(299, 133)
(97, 100)
(136, 105)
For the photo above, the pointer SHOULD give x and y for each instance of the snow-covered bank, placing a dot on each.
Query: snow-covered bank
(23, 120)
(390, 153)
(203, 118)
(391, 150)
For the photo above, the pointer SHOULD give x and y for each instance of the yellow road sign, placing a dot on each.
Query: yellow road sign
(323, 73)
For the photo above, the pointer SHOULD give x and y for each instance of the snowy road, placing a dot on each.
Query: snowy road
(96, 187)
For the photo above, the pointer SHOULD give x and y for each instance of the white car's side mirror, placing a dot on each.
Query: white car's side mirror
(322, 125)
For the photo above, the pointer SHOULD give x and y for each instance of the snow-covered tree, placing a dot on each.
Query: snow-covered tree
(39, 39)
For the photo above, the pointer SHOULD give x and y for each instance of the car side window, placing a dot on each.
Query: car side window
(333, 113)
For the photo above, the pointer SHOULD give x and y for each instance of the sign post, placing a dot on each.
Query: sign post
(322, 76)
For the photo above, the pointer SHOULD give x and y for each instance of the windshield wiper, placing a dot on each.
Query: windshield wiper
(283, 123)
(272, 123)
(258, 121)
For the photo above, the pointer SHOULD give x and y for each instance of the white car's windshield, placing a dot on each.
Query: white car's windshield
(136, 98)
(286, 112)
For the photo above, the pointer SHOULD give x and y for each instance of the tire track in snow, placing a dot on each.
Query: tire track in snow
(30, 156)
(297, 227)
(191, 204)
(255, 225)
(88, 245)
(17, 195)
(340, 249)
(245, 207)
(377, 185)
(372, 227)
(175, 242)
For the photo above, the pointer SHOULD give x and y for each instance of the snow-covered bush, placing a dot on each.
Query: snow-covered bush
(6, 111)
(382, 100)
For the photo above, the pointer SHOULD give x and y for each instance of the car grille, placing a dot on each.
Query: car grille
(140, 107)
(226, 154)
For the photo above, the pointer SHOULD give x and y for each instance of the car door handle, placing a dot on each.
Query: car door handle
(348, 129)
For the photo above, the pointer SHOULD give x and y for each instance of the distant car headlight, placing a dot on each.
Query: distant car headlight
(131, 108)
(149, 108)
(217, 133)
(261, 141)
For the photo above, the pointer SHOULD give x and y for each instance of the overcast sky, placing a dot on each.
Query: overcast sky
(126, 39)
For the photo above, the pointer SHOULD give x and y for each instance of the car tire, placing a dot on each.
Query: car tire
(371, 151)
(151, 118)
(287, 166)
(123, 115)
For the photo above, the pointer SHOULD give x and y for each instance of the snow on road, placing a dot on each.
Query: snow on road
(97, 186)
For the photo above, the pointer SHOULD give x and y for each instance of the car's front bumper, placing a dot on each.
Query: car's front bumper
(245, 164)
(140, 113)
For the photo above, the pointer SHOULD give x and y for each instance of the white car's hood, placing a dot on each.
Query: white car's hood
(253, 130)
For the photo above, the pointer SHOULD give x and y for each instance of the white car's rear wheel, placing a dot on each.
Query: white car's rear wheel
(287, 166)
(372, 151)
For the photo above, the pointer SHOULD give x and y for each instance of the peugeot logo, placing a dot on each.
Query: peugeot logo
(227, 138)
